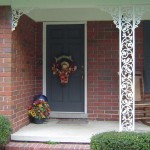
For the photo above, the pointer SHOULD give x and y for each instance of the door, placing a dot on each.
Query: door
(65, 40)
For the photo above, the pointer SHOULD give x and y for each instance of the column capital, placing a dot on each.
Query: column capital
(130, 13)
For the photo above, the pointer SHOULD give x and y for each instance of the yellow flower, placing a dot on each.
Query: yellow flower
(40, 105)
(33, 113)
(29, 112)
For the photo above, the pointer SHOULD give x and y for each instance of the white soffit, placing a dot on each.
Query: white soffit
(70, 10)
(73, 3)
(69, 14)
(5, 2)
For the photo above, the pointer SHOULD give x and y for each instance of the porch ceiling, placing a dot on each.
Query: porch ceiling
(71, 10)
(69, 14)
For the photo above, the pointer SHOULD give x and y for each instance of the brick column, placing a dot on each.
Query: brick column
(5, 62)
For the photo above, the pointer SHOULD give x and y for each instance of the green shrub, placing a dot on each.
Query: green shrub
(120, 141)
(5, 130)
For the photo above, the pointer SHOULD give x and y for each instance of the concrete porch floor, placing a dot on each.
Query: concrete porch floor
(69, 130)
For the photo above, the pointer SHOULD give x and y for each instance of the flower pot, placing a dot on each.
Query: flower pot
(45, 119)
(37, 121)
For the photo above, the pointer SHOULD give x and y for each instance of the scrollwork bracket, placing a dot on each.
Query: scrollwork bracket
(16, 14)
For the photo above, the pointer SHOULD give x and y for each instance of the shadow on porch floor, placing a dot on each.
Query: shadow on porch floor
(68, 131)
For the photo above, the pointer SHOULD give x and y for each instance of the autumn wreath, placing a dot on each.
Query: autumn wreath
(63, 67)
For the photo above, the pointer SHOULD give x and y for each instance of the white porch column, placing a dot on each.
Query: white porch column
(126, 18)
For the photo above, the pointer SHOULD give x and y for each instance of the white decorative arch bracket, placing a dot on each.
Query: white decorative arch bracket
(16, 14)
(126, 18)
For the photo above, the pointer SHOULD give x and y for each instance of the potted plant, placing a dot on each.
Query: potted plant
(39, 111)
(5, 131)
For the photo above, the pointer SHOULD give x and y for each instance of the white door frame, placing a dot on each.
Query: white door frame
(57, 114)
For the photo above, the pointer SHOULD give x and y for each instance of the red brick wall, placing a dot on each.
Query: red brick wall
(139, 47)
(23, 70)
(103, 65)
(20, 53)
(39, 58)
(5, 62)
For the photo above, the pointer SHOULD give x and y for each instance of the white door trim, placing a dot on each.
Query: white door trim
(66, 114)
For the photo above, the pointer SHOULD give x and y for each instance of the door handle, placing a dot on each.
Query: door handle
(82, 72)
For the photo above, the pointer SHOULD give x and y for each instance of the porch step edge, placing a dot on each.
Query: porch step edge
(61, 139)
(42, 146)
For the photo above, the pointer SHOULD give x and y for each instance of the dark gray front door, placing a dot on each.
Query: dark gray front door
(65, 40)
